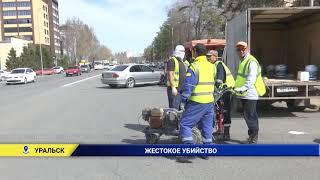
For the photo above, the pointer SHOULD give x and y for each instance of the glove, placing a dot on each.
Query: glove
(182, 106)
(240, 91)
(174, 91)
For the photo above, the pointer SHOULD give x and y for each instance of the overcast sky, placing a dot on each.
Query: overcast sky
(122, 25)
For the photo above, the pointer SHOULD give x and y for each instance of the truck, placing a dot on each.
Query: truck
(289, 36)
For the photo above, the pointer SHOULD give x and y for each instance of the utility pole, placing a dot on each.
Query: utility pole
(40, 46)
(75, 50)
(172, 36)
(311, 3)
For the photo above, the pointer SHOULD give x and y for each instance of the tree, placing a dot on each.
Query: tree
(13, 61)
(63, 62)
(81, 42)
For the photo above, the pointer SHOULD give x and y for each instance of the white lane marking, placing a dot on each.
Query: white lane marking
(76, 82)
(297, 132)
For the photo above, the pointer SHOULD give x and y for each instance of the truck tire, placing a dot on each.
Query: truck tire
(292, 107)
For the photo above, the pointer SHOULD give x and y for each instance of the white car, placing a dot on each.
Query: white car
(98, 66)
(3, 75)
(21, 75)
(58, 69)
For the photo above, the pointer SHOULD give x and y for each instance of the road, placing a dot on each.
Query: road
(57, 109)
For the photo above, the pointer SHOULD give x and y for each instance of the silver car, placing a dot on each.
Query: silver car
(130, 75)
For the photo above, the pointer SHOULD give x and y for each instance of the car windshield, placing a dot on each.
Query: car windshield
(18, 71)
(120, 68)
(56, 68)
(84, 66)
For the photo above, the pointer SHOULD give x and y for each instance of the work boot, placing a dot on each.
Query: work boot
(253, 138)
(226, 134)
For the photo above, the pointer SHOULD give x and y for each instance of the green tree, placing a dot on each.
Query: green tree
(13, 61)
(63, 62)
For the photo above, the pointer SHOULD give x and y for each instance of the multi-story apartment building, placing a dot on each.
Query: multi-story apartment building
(32, 20)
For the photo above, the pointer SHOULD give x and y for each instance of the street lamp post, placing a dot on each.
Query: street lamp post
(40, 46)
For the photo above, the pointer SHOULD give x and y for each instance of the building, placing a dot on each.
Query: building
(54, 26)
(5, 47)
(33, 20)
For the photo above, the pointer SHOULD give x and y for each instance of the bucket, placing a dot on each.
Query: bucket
(270, 70)
(281, 71)
(313, 71)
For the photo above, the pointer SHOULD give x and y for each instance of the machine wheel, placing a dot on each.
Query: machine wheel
(196, 135)
(130, 83)
(292, 107)
(152, 139)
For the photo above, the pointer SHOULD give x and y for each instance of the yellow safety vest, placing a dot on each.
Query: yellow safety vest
(243, 73)
(230, 82)
(186, 64)
(206, 72)
(176, 73)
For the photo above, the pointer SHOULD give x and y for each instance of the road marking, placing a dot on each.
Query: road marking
(297, 132)
(70, 84)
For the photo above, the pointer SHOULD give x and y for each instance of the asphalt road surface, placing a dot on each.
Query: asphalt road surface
(58, 109)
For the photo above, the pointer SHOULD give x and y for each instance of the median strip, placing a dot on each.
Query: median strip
(76, 82)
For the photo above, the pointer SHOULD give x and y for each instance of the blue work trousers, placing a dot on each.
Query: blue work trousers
(200, 115)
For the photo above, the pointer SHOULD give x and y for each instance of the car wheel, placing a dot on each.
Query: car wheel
(34, 79)
(130, 83)
(25, 81)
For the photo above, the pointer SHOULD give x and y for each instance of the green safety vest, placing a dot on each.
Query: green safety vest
(206, 72)
(243, 73)
(176, 73)
(230, 82)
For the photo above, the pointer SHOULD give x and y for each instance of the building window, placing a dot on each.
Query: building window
(18, 21)
(24, 13)
(28, 38)
(25, 29)
(16, 4)
(10, 30)
(9, 13)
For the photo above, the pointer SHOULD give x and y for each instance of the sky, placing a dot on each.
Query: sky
(122, 25)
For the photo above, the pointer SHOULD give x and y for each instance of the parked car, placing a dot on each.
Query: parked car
(21, 75)
(85, 68)
(3, 75)
(106, 66)
(75, 70)
(45, 72)
(98, 66)
(58, 70)
(130, 75)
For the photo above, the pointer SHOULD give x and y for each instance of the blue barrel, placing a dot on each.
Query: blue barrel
(281, 71)
(313, 71)
(270, 70)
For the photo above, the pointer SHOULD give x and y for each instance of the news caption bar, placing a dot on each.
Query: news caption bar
(67, 150)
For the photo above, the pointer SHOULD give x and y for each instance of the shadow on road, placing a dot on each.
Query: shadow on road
(317, 141)
(135, 87)
(136, 127)
(143, 141)
(269, 112)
